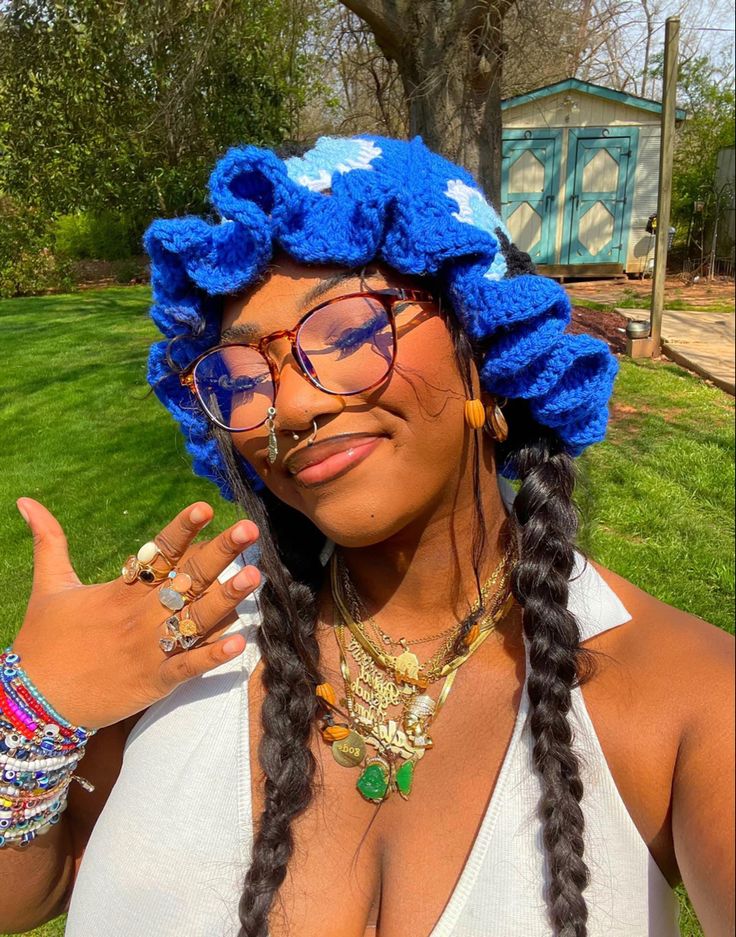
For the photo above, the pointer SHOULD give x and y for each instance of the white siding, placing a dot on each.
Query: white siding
(583, 110)
(645, 199)
(725, 174)
(560, 201)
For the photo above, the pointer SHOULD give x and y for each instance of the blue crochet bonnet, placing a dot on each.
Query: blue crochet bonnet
(348, 201)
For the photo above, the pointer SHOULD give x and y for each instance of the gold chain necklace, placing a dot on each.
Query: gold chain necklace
(452, 631)
(406, 667)
(379, 684)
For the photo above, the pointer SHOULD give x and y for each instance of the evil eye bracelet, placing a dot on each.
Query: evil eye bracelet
(39, 751)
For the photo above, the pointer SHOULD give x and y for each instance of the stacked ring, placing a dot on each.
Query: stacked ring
(140, 566)
(181, 632)
(175, 598)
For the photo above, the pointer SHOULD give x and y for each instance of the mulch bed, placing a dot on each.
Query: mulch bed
(600, 323)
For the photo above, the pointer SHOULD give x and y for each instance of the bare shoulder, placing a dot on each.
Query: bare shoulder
(688, 658)
(662, 702)
(680, 735)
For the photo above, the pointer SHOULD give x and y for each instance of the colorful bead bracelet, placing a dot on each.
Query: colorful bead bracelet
(39, 751)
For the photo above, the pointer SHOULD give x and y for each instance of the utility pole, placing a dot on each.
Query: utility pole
(664, 199)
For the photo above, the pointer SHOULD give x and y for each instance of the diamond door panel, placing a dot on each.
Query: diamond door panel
(529, 185)
(598, 189)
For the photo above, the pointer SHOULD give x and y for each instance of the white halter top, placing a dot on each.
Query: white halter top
(168, 855)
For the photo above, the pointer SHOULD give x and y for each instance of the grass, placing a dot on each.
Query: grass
(657, 494)
(636, 301)
(81, 436)
(642, 302)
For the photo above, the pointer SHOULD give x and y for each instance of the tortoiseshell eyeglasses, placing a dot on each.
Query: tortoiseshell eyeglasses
(344, 346)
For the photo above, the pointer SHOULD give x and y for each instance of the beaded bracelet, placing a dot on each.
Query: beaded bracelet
(39, 751)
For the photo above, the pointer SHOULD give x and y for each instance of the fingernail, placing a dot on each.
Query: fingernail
(231, 646)
(242, 534)
(198, 515)
(22, 512)
(243, 580)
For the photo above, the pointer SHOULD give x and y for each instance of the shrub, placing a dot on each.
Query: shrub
(27, 262)
(132, 269)
(98, 235)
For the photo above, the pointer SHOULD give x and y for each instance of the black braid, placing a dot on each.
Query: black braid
(546, 524)
(290, 547)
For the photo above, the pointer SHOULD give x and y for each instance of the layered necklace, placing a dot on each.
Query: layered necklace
(387, 710)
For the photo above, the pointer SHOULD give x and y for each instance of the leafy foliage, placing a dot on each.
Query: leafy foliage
(27, 262)
(124, 105)
(709, 99)
(104, 235)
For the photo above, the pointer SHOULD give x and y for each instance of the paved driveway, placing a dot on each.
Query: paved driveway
(704, 342)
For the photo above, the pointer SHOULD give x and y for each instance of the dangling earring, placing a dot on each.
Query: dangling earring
(496, 425)
(475, 414)
(273, 443)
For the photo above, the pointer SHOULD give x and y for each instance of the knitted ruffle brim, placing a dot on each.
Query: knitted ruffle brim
(389, 200)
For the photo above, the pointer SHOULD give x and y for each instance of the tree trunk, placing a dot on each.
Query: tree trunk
(450, 58)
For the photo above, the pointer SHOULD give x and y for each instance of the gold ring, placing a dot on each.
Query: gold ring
(140, 566)
(175, 598)
(181, 631)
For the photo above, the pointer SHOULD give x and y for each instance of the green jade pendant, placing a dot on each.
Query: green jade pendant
(374, 782)
(404, 778)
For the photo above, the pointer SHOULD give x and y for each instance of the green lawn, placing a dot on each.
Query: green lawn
(657, 496)
(80, 435)
(643, 301)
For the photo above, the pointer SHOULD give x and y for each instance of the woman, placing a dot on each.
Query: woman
(382, 731)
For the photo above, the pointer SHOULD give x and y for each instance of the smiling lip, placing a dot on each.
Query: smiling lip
(330, 458)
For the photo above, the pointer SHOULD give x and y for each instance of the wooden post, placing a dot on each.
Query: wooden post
(664, 199)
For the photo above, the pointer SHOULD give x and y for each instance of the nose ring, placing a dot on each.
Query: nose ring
(310, 441)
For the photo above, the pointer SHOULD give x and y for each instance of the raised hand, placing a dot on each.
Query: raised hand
(93, 650)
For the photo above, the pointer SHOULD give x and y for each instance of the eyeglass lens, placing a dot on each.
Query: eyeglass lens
(343, 347)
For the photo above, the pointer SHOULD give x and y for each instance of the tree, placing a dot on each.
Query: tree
(707, 94)
(450, 59)
(125, 105)
(359, 89)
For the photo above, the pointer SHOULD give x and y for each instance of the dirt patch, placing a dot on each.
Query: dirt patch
(93, 274)
(605, 324)
(680, 290)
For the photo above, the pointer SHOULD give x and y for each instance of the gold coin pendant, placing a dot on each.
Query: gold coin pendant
(349, 751)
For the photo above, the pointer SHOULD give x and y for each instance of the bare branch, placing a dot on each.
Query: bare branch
(386, 27)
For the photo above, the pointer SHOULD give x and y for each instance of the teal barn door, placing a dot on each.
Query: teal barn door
(529, 185)
(600, 184)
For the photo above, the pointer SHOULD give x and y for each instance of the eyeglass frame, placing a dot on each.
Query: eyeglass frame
(388, 299)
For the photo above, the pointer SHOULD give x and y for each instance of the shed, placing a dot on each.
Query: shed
(579, 178)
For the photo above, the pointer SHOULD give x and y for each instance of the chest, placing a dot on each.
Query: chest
(360, 869)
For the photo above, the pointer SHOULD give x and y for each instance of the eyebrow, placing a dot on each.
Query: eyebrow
(251, 331)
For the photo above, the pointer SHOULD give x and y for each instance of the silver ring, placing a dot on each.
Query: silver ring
(310, 441)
